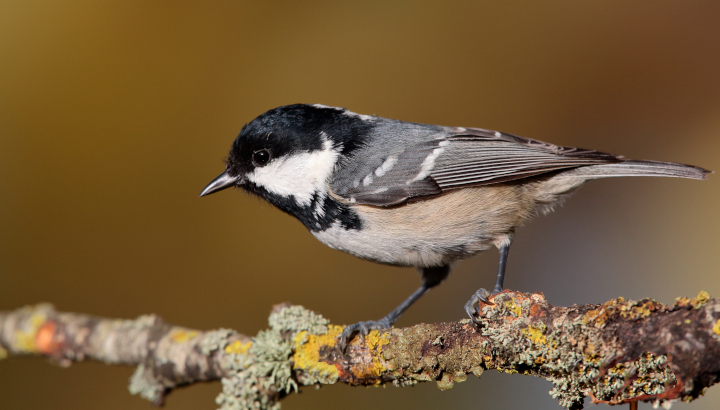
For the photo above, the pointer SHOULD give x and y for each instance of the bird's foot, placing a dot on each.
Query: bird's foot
(362, 328)
(482, 295)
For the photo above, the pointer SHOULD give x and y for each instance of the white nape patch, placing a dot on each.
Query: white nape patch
(429, 162)
(319, 210)
(356, 115)
(352, 199)
(368, 179)
(300, 175)
(347, 112)
(386, 166)
(498, 134)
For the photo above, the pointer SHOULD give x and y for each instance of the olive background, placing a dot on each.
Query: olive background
(114, 115)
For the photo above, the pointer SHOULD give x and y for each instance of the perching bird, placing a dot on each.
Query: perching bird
(409, 194)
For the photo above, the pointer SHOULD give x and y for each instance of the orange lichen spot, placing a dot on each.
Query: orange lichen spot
(589, 348)
(45, 338)
(535, 310)
(599, 316)
(238, 347)
(640, 309)
(182, 335)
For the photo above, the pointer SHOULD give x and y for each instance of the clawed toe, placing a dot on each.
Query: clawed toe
(471, 307)
(362, 329)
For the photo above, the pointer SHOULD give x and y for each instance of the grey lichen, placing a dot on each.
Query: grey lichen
(575, 373)
(273, 354)
(296, 319)
(261, 376)
(215, 340)
(143, 382)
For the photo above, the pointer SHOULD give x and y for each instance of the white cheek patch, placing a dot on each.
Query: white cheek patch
(300, 175)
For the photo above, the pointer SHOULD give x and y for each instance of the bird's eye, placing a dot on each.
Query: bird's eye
(261, 157)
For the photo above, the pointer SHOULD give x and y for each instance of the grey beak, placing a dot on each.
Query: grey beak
(223, 181)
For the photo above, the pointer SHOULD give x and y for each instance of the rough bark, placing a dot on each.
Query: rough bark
(622, 351)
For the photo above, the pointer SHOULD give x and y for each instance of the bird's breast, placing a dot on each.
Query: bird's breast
(435, 231)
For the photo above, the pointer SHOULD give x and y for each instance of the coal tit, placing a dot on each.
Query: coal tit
(410, 194)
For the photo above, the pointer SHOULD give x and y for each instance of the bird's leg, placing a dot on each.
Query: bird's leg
(482, 294)
(504, 249)
(431, 277)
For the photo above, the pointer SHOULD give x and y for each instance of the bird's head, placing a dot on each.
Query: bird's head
(288, 153)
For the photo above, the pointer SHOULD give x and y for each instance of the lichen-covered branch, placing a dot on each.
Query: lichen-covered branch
(619, 352)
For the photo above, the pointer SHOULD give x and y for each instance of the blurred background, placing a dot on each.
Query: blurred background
(114, 115)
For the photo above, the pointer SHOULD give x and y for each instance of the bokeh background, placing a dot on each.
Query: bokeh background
(114, 115)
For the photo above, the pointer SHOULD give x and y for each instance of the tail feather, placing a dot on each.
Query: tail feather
(638, 168)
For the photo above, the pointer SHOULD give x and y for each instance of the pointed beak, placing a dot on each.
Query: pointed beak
(221, 182)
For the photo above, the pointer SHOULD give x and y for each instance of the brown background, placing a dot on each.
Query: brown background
(114, 115)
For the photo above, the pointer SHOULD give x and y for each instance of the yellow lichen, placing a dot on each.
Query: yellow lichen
(513, 307)
(25, 340)
(716, 327)
(696, 302)
(307, 354)
(700, 299)
(535, 334)
(238, 347)
(639, 309)
(375, 342)
(3, 353)
(182, 335)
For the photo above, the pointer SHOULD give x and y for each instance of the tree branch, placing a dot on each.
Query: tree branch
(620, 352)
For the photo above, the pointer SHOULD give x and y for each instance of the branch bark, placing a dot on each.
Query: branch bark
(622, 351)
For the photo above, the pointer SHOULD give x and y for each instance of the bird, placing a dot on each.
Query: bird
(410, 194)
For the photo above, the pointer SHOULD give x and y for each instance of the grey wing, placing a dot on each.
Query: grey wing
(389, 177)
(480, 157)
(461, 157)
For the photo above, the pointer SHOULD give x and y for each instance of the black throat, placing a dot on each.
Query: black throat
(323, 212)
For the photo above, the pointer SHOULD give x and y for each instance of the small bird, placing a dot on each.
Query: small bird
(409, 194)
